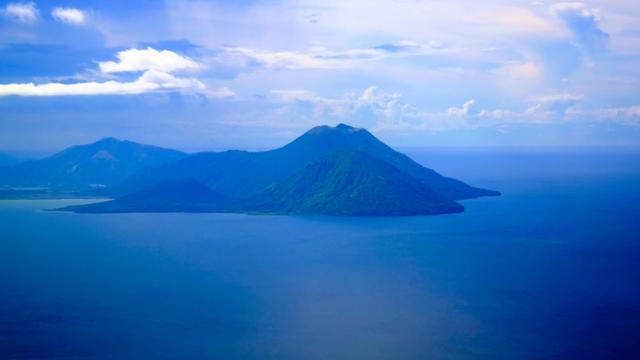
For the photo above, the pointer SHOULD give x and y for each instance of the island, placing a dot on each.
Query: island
(341, 171)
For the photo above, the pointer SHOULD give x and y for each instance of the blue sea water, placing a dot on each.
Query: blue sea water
(549, 270)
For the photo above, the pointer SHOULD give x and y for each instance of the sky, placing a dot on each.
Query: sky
(251, 74)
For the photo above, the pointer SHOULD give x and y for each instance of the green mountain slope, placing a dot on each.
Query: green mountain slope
(352, 183)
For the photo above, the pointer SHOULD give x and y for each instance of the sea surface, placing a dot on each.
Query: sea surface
(549, 270)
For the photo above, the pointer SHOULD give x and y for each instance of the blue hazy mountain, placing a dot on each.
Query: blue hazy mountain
(239, 174)
(101, 164)
(328, 170)
(6, 159)
(322, 140)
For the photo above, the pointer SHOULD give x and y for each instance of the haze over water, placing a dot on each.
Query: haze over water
(548, 270)
(139, 101)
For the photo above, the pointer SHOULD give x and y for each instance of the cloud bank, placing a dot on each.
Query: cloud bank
(150, 81)
(390, 113)
(156, 67)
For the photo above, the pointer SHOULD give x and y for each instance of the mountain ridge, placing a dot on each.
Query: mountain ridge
(102, 163)
(240, 173)
(338, 170)
(328, 170)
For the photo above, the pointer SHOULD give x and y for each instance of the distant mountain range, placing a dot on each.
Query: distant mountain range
(79, 170)
(338, 170)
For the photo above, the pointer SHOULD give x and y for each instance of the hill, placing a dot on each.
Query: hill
(352, 183)
(165, 196)
(239, 174)
(101, 164)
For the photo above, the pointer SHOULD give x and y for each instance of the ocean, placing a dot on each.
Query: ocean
(548, 270)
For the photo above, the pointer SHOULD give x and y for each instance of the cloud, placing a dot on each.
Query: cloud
(554, 104)
(148, 59)
(371, 96)
(583, 24)
(156, 67)
(387, 111)
(150, 81)
(462, 111)
(370, 100)
(291, 60)
(69, 16)
(220, 93)
(323, 58)
(370, 104)
(409, 46)
(320, 107)
(629, 115)
(564, 98)
(519, 70)
(25, 12)
(289, 96)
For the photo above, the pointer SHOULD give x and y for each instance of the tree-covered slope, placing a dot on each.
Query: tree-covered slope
(352, 183)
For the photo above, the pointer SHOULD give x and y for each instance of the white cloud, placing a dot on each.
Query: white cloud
(387, 111)
(629, 115)
(351, 106)
(576, 7)
(316, 58)
(148, 59)
(461, 111)
(372, 97)
(558, 98)
(156, 77)
(517, 70)
(69, 15)
(298, 95)
(554, 104)
(150, 81)
(322, 107)
(25, 12)
(382, 104)
(323, 58)
(221, 93)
